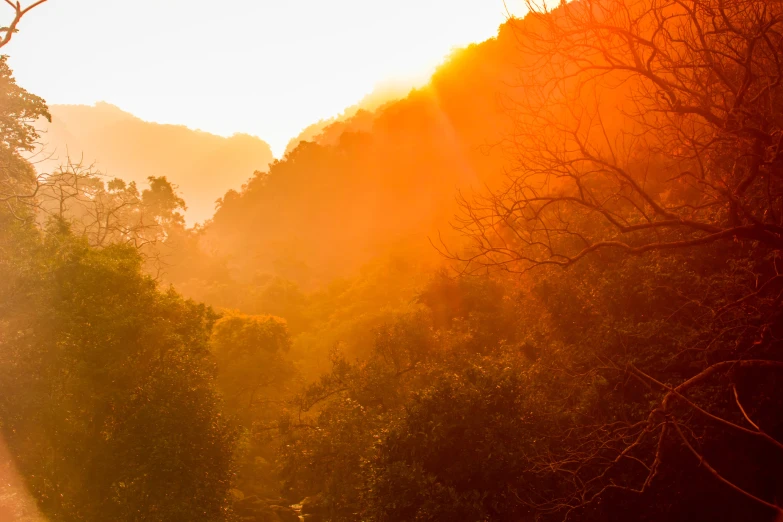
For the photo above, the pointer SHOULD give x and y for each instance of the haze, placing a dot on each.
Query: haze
(266, 68)
(545, 284)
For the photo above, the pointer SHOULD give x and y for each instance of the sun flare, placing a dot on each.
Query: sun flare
(276, 67)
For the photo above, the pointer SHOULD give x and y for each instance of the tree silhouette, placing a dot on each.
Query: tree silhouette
(649, 126)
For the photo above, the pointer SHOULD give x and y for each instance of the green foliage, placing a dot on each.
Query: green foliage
(112, 211)
(460, 450)
(255, 375)
(108, 396)
(619, 388)
(503, 399)
(19, 110)
(250, 352)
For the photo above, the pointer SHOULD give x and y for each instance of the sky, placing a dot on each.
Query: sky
(263, 67)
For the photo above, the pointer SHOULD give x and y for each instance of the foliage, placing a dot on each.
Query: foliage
(609, 350)
(108, 390)
(17, 135)
(111, 211)
(20, 110)
(548, 413)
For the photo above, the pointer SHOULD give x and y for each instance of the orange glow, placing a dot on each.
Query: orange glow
(266, 68)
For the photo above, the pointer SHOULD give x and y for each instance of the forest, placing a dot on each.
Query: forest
(546, 286)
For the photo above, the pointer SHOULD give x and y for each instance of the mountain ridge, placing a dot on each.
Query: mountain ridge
(119, 144)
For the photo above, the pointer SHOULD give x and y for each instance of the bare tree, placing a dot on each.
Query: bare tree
(646, 126)
(108, 211)
(642, 125)
(628, 456)
(104, 211)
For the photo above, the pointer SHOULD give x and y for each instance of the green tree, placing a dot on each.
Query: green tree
(255, 377)
(251, 354)
(461, 449)
(18, 111)
(108, 384)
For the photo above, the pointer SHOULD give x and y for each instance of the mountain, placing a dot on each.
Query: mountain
(377, 182)
(119, 144)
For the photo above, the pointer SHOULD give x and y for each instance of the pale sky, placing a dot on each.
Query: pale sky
(262, 67)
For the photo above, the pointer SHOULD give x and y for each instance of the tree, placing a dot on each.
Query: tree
(18, 110)
(250, 351)
(654, 127)
(645, 125)
(328, 442)
(109, 402)
(460, 449)
(109, 407)
(112, 211)
(255, 377)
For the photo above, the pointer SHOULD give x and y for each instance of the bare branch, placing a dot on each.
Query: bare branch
(19, 12)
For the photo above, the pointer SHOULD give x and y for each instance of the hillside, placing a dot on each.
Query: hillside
(380, 97)
(119, 144)
(376, 182)
(411, 151)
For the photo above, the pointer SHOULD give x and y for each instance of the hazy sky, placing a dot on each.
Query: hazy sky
(264, 67)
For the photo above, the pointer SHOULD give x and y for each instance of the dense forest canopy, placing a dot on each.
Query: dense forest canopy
(546, 286)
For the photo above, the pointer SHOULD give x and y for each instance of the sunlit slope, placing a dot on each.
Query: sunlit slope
(377, 182)
(328, 130)
(203, 165)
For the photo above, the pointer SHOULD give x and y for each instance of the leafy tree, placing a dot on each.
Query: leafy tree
(109, 406)
(462, 448)
(18, 111)
(109, 398)
(329, 441)
(255, 376)
(250, 352)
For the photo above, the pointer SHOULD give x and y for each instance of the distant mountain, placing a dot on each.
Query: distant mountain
(204, 166)
(374, 181)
